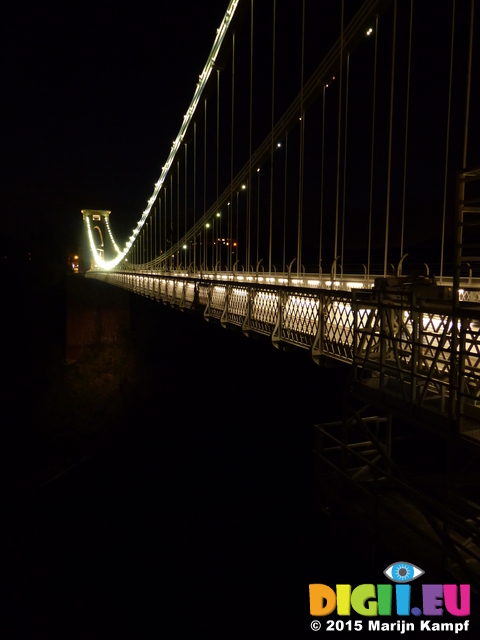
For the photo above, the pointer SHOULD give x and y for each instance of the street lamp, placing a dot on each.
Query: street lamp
(205, 251)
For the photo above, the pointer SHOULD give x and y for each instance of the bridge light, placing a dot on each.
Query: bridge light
(218, 214)
(244, 186)
(208, 225)
(184, 246)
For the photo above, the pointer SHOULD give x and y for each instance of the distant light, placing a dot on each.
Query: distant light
(279, 144)
(244, 186)
(258, 169)
(369, 31)
(184, 246)
(208, 225)
(218, 214)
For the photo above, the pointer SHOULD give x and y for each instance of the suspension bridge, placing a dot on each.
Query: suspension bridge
(324, 190)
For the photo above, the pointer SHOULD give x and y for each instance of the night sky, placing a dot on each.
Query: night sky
(92, 97)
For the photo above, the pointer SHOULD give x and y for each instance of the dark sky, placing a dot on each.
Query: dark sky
(94, 94)
(92, 97)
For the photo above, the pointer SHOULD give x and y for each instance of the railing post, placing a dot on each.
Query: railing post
(461, 370)
(224, 317)
(317, 346)
(196, 295)
(248, 311)
(278, 328)
(206, 313)
(333, 272)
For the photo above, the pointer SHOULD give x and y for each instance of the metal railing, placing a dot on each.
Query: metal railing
(412, 348)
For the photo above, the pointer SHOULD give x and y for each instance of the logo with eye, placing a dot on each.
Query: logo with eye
(403, 572)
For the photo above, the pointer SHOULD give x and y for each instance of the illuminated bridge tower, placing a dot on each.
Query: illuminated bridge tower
(98, 229)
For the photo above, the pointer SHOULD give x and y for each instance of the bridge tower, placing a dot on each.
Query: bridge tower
(98, 225)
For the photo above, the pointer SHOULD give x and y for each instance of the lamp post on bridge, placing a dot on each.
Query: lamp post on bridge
(205, 250)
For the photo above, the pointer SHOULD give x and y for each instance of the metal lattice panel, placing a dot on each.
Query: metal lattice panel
(217, 300)
(151, 290)
(300, 319)
(169, 285)
(470, 367)
(203, 294)
(178, 292)
(469, 295)
(264, 311)
(338, 320)
(237, 305)
(436, 345)
(189, 293)
(157, 289)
